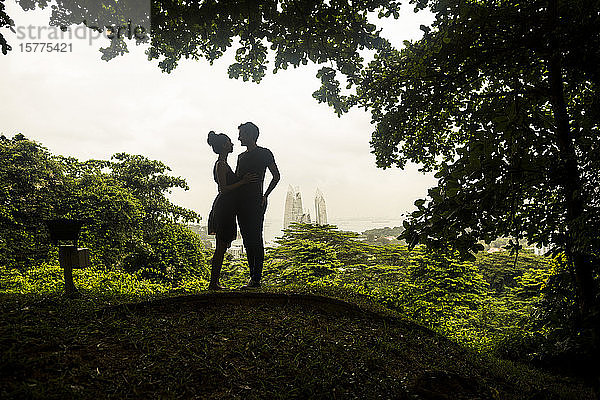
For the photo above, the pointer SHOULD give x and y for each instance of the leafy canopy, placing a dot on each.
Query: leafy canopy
(128, 218)
(474, 100)
(286, 33)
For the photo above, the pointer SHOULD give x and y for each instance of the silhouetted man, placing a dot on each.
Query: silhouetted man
(251, 201)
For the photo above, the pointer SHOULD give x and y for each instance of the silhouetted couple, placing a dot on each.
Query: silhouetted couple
(240, 194)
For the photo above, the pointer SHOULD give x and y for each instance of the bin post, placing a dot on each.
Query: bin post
(67, 257)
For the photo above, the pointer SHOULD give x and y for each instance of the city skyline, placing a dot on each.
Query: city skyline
(295, 212)
(293, 209)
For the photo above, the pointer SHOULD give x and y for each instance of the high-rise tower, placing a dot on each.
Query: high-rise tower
(289, 206)
(293, 211)
(320, 209)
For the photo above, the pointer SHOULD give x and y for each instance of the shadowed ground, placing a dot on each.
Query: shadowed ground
(245, 345)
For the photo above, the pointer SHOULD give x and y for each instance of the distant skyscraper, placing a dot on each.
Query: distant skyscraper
(289, 206)
(320, 209)
(297, 207)
(293, 208)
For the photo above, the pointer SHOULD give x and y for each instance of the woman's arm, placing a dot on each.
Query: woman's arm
(222, 179)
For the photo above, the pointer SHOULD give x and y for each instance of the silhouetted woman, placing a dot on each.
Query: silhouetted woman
(221, 220)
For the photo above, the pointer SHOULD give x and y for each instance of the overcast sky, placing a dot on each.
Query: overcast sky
(78, 105)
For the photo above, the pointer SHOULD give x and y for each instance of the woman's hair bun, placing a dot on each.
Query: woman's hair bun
(211, 137)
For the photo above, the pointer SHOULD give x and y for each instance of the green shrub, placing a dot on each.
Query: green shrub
(173, 254)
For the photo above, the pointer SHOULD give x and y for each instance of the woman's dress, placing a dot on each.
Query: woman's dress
(221, 220)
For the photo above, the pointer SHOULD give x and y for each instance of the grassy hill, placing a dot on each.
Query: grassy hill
(245, 346)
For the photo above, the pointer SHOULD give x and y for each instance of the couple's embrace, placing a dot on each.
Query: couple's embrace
(240, 195)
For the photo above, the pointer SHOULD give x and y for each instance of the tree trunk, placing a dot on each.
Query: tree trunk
(582, 265)
(570, 173)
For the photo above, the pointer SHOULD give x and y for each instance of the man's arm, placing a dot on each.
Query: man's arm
(274, 180)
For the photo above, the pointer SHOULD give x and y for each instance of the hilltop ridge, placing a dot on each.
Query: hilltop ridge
(250, 345)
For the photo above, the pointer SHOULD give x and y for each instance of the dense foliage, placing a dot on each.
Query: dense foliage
(520, 310)
(122, 202)
(29, 177)
(499, 98)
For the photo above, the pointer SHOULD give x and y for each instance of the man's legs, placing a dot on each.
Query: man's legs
(256, 257)
(251, 217)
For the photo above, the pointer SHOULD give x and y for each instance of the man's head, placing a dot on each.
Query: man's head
(248, 133)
